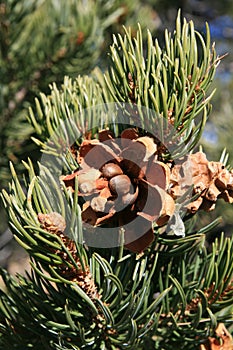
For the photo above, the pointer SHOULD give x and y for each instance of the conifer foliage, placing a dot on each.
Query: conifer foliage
(118, 148)
(41, 41)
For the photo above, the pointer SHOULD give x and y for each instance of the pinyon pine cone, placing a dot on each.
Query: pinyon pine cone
(122, 184)
(211, 180)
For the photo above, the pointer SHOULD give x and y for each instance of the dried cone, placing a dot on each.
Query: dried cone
(55, 223)
(123, 184)
(211, 180)
(224, 341)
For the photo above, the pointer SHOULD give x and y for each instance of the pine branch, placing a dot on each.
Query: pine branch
(170, 291)
(172, 81)
(40, 43)
(178, 266)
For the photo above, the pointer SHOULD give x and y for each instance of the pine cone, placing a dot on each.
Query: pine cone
(121, 179)
(211, 180)
(222, 341)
